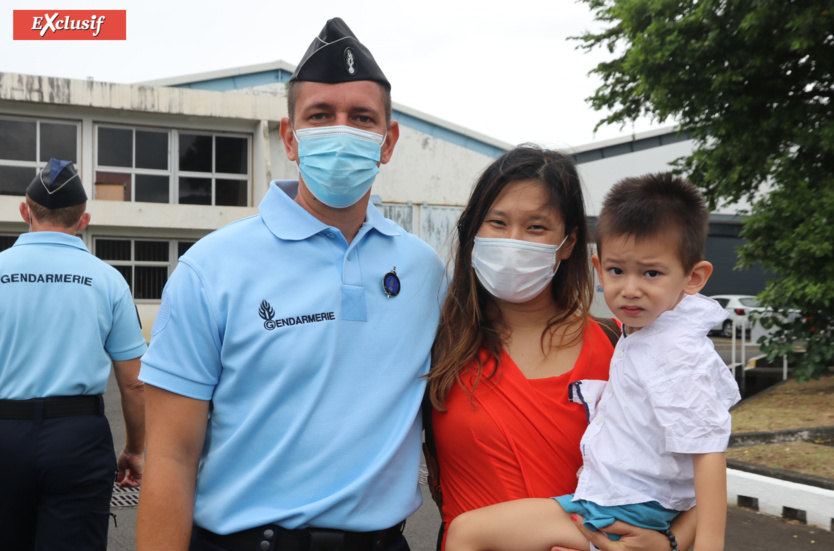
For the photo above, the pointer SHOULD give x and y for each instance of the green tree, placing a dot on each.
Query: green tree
(753, 83)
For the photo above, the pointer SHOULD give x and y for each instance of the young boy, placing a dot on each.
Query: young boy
(656, 442)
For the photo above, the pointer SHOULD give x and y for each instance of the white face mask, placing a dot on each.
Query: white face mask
(513, 270)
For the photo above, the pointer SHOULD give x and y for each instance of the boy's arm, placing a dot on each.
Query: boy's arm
(711, 496)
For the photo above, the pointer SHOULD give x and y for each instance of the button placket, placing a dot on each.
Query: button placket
(266, 543)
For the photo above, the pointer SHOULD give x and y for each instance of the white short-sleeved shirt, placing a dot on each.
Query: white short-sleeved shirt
(314, 373)
(64, 314)
(668, 396)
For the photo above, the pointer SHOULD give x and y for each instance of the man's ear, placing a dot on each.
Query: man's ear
(391, 137)
(24, 212)
(697, 277)
(83, 223)
(287, 136)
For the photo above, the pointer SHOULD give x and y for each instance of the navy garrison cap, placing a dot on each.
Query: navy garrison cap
(336, 55)
(57, 185)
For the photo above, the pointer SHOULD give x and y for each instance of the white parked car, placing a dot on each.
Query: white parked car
(739, 308)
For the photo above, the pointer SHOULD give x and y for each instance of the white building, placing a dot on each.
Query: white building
(166, 162)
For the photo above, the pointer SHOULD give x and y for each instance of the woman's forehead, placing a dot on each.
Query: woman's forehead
(530, 196)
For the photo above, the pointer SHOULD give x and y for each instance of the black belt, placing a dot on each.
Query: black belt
(274, 538)
(49, 408)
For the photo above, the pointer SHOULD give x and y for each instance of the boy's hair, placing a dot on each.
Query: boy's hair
(66, 217)
(648, 205)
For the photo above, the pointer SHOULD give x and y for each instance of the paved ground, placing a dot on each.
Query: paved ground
(724, 347)
(746, 530)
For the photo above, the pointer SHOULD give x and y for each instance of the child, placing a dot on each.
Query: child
(656, 442)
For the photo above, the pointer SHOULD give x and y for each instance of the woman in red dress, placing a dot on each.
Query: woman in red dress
(516, 344)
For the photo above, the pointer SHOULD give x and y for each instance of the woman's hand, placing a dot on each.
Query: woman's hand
(633, 537)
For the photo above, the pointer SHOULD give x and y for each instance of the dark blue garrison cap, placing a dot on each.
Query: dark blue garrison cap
(335, 56)
(57, 185)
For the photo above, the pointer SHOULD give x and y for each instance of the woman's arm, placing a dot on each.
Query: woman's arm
(642, 539)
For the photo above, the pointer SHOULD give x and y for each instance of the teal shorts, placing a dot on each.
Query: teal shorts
(646, 515)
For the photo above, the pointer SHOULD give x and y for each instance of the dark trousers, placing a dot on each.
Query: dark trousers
(201, 543)
(56, 479)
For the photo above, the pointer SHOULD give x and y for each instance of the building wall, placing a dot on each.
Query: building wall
(426, 174)
(599, 175)
(426, 170)
(423, 188)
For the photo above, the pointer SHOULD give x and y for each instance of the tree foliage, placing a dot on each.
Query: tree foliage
(753, 83)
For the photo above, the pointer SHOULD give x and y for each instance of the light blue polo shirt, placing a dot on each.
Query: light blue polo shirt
(313, 372)
(63, 315)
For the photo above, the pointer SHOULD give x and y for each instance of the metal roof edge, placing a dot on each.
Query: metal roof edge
(626, 139)
(221, 73)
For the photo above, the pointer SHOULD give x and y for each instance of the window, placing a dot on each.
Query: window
(27, 144)
(7, 241)
(135, 164)
(144, 263)
(213, 170)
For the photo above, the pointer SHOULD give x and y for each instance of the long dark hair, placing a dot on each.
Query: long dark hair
(468, 320)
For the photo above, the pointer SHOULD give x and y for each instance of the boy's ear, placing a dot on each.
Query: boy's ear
(698, 277)
(597, 265)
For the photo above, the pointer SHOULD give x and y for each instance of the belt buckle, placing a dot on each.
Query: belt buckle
(322, 539)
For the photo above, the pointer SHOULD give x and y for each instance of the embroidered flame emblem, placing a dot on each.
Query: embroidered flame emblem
(350, 61)
(265, 311)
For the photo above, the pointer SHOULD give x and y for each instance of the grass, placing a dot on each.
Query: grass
(788, 405)
(803, 457)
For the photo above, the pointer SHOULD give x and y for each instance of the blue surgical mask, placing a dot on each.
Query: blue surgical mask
(338, 163)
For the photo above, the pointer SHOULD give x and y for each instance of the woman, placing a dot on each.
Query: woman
(514, 338)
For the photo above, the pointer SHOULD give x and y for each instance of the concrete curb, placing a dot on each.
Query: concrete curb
(790, 500)
(787, 494)
(781, 474)
(809, 434)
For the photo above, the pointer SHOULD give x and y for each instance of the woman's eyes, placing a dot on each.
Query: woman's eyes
(534, 227)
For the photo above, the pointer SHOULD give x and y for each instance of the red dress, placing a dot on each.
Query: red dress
(521, 438)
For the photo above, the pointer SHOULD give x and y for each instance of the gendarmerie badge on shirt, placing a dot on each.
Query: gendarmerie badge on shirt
(391, 283)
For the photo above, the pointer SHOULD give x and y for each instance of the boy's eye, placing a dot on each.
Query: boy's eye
(536, 227)
(615, 271)
(652, 273)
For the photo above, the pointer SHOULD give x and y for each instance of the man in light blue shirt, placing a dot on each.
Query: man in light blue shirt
(285, 368)
(65, 315)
